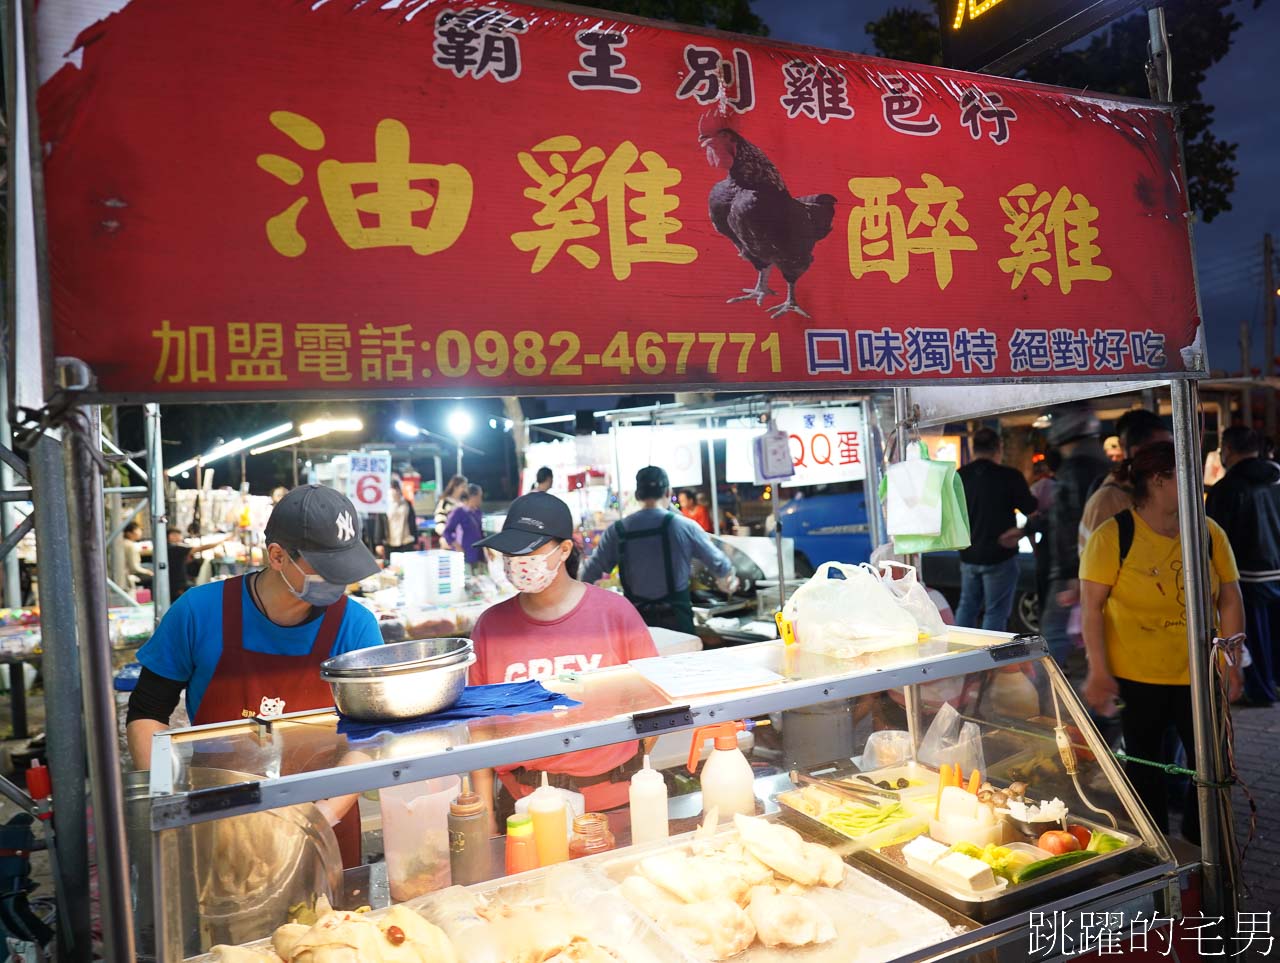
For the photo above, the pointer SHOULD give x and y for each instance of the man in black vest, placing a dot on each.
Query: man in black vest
(652, 549)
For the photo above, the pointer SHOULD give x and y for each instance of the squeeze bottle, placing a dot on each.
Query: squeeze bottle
(648, 798)
(550, 827)
(727, 779)
(522, 853)
(468, 837)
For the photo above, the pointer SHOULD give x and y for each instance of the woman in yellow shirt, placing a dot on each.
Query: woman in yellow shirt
(1134, 615)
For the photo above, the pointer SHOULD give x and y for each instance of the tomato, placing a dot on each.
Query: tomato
(1057, 841)
(1081, 834)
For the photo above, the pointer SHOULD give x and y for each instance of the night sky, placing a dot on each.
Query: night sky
(1242, 87)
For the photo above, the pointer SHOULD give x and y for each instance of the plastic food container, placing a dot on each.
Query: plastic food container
(922, 781)
(415, 833)
(904, 829)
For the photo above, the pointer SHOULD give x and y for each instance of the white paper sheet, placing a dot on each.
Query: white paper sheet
(700, 673)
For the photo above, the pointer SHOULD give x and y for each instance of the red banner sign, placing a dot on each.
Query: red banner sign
(252, 196)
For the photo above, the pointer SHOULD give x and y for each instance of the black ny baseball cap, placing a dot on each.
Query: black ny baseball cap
(323, 527)
(532, 521)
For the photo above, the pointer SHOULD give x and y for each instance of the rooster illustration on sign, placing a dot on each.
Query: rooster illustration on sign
(752, 208)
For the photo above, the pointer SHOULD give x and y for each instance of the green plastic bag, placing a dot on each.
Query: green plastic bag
(955, 522)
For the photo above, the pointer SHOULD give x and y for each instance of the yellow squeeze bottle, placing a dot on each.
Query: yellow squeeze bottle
(550, 833)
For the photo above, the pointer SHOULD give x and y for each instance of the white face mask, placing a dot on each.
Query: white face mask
(531, 573)
(315, 590)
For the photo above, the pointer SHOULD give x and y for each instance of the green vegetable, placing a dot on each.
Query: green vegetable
(1102, 843)
(1003, 862)
(1051, 865)
(858, 821)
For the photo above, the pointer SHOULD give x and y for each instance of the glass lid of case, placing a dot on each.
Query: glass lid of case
(318, 741)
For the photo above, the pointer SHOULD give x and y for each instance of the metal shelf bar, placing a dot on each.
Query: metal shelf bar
(175, 810)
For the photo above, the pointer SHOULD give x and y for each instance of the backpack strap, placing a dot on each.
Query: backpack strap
(1124, 521)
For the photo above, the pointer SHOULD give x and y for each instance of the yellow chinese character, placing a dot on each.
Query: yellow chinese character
(262, 349)
(880, 239)
(1071, 223)
(187, 355)
(394, 205)
(282, 229)
(567, 216)
(939, 242)
(1033, 217)
(877, 230)
(322, 350)
(386, 354)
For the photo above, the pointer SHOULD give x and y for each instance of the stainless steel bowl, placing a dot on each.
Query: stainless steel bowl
(397, 657)
(402, 695)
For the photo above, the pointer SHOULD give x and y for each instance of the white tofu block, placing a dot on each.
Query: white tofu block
(922, 853)
(965, 873)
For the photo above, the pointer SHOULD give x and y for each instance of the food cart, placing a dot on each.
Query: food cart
(957, 240)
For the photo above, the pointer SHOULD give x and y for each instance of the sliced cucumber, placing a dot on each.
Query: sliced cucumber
(1051, 865)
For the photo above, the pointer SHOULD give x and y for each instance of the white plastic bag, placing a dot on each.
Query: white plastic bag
(888, 747)
(847, 617)
(952, 741)
(913, 496)
(902, 584)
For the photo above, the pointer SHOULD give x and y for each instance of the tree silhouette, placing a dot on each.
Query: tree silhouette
(1112, 61)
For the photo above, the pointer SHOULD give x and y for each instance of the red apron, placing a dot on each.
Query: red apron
(243, 679)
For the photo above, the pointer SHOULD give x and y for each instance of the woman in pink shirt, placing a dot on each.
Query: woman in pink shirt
(555, 625)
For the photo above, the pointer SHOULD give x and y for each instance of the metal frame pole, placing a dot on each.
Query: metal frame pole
(64, 720)
(10, 517)
(1219, 857)
(871, 481)
(159, 513)
(84, 490)
(901, 419)
(715, 496)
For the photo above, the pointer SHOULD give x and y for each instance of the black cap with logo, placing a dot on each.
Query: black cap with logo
(322, 525)
(532, 521)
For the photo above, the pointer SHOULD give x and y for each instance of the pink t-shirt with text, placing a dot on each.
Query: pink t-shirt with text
(603, 629)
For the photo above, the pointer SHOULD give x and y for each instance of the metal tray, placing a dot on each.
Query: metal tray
(1000, 903)
(863, 893)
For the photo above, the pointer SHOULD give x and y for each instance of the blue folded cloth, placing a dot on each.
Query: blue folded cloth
(476, 701)
(126, 679)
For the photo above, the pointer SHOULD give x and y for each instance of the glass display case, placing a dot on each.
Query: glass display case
(973, 745)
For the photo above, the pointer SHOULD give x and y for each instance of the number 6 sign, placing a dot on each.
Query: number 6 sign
(369, 482)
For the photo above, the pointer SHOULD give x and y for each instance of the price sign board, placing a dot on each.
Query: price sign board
(369, 482)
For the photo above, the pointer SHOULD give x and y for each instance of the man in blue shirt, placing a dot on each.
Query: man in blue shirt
(652, 549)
(252, 645)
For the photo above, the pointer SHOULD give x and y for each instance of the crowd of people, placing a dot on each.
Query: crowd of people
(1104, 523)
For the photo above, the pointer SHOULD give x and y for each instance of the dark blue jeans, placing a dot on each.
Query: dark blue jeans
(1262, 628)
(987, 591)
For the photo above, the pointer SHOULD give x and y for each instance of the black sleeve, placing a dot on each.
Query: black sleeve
(155, 697)
(1023, 498)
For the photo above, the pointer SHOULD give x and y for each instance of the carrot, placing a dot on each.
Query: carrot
(974, 782)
